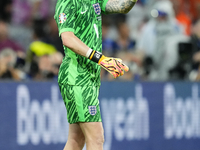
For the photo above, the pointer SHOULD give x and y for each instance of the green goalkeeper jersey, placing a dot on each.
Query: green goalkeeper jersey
(83, 17)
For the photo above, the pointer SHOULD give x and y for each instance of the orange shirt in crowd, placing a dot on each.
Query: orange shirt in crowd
(185, 21)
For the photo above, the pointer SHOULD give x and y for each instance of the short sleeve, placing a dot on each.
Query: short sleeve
(103, 5)
(65, 16)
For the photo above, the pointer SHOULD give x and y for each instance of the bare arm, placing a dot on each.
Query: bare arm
(75, 44)
(119, 6)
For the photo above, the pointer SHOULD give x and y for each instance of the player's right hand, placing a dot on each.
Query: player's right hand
(113, 65)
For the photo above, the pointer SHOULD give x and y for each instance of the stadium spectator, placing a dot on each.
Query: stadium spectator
(21, 34)
(136, 20)
(195, 39)
(45, 67)
(123, 43)
(6, 42)
(39, 46)
(56, 60)
(38, 62)
(152, 42)
(107, 43)
(52, 36)
(8, 59)
(181, 15)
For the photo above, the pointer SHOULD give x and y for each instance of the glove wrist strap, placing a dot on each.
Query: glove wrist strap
(95, 55)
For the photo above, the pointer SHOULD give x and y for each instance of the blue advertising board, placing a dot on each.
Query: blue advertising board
(142, 116)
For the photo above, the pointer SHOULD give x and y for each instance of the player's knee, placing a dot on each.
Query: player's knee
(81, 141)
(97, 140)
(78, 141)
(100, 140)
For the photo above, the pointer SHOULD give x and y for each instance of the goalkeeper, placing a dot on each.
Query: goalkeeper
(79, 24)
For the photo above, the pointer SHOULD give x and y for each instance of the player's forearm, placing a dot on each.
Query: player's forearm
(119, 6)
(74, 43)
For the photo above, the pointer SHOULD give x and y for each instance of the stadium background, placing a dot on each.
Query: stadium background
(156, 106)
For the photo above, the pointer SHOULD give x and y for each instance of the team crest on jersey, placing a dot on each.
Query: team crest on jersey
(97, 8)
(92, 110)
(62, 18)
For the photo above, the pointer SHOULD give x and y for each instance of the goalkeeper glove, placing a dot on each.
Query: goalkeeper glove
(113, 65)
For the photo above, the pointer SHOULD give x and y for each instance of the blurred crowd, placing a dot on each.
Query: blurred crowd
(158, 39)
(30, 48)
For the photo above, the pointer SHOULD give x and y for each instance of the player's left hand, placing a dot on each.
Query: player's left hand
(113, 65)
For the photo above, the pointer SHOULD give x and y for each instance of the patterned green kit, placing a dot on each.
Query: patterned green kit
(79, 77)
(83, 17)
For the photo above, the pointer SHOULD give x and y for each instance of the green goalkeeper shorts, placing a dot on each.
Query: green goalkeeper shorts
(81, 102)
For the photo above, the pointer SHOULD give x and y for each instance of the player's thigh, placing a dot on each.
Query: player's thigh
(75, 133)
(92, 130)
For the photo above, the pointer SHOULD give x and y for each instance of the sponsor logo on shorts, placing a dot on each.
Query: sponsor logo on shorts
(92, 110)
